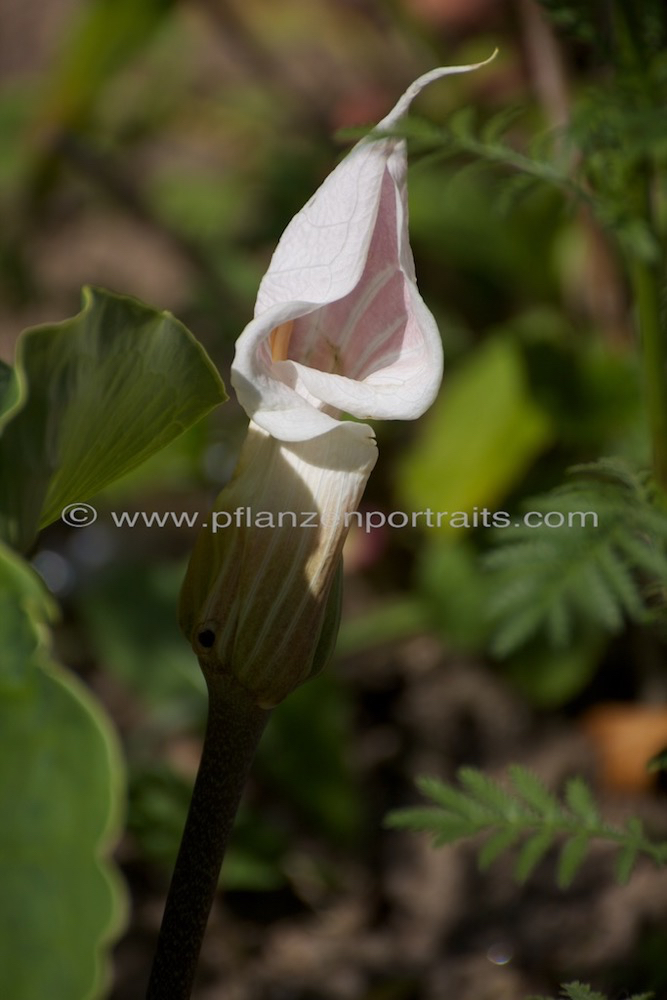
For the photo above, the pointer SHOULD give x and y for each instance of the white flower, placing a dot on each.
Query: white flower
(340, 326)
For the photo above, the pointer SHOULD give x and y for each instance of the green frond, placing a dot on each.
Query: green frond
(524, 550)
(533, 791)
(495, 845)
(488, 792)
(572, 857)
(532, 853)
(651, 559)
(581, 803)
(455, 801)
(596, 600)
(611, 470)
(623, 586)
(595, 157)
(581, 991)
(444, 827)
(625, 862)
(522, 811)
(605, 564)
(517, 630)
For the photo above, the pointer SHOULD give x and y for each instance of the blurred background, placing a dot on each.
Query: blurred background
(158, 148)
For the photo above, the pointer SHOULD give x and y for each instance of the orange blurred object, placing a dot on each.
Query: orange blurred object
(625, 738)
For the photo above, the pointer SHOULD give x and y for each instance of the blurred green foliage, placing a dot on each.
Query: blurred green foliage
(60, 795)
(463, 462)
(128, 613)
(86, 400)
(98, 397)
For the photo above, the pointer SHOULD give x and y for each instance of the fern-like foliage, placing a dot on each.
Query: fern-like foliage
(500, 141)
(614, 139)
(593, 160)
(581, 991)
(525, 812)
(603, 560)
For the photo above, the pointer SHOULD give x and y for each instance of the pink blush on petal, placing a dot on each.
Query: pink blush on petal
(364, 331)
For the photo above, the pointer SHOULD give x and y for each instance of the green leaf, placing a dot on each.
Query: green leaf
(581, 802)
(529, 786)
(621, 583)
(60, 799)
(488, 792)
(453, 800)
(581, 991)
(10, 393)
(496, 845)
(516, 629)
(597, 599)
(625, 862)
(485, 431)
(588, 574)
(481, 804)
(532, 853)
(571, 858)
(444, 827)
(25, 607)
(105, 390)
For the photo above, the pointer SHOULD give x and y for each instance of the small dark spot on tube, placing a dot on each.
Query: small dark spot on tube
(206, 638)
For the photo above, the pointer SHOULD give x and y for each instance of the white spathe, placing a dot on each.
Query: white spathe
(340, 326)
